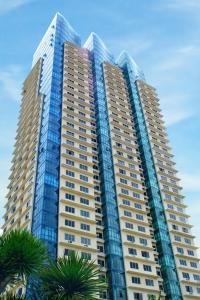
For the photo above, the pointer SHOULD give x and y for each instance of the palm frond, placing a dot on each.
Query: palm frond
(11, 296)
(72, 278)
(21, 254)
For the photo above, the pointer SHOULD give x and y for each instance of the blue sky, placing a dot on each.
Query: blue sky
(163, 38)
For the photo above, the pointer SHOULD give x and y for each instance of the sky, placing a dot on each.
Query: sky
(162, 37)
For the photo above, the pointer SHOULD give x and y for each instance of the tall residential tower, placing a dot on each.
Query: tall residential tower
(92, 170)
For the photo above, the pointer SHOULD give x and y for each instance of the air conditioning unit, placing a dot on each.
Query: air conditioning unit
(70, 242)
(86, 245)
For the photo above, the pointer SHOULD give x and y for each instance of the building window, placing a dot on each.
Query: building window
(130, 238)
(127, 213)
(81, 147)
(141, 228)
(70, 133)
(137, 296)
(84, 201)
(100, 248)
(71, 143)
(121, 171)
(188, 289)
(149, 282)
(135, 185)
(190, 252)
(85, 213)
(101, 263)
(69, 197)
(175, 227)
(124, 191)
(147, 268)
(134, 265)
(193, 264)
(82, 129)
(70, 152)
(70, 173)
(139, 217)
(86, 255)
(177, 238)
(136, 280)
(82, 138)
(185, 230)
(183, 262)
(69, 184)
(143, 241)
(70, 209)
(69, 237)
(84, 178)
(84, 189)
(85, 227)
(133, 175)
(69, 162)
(122, 180)
(129, 225)
(186, 275)
(188, 241)
(83, 157)
(126, 202)
(196, 277)
(85, 241)
(69, 223)
(83, 167)
(145, 254)
(132, 251)
(138, 206)
(136, 195)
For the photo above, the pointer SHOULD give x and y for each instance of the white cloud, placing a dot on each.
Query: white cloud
(168, 72)
(7, 5)
(173, 117)
(176, 108)
(130, 43)
(182, 4)
(11, 78)
(178, 57)
(190, 182)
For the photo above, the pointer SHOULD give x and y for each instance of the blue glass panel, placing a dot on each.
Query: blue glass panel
(164, 247)
(112, 235)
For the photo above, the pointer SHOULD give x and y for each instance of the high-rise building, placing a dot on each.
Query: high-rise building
(92, 170)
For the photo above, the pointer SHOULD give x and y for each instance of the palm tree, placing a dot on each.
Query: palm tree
(72, 278)
(21, 255)
(11, 296)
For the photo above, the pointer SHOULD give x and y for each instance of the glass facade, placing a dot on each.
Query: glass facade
(45, 209)
(161, 232)
(112, 235)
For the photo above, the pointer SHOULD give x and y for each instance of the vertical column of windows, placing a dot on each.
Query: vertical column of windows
(161, 232)
(21, 188)
(45, 211)
(137, 235)
(111, 230)
(80, 212)
(177, 218)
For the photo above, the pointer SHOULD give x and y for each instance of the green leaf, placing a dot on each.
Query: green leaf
(72, 278)
(11, 296)
(21, 255)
